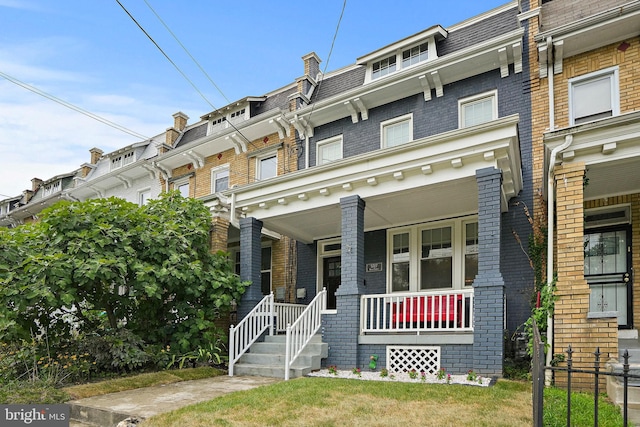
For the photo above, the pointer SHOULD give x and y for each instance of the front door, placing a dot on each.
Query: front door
(607, 269)
(331, 279)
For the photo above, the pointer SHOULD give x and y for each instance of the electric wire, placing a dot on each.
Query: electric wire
(180, 71)
(326, 65)
(73, 107)
(187, 51)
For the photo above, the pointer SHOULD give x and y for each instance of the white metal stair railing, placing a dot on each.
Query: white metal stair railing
(250, 329)
(286, 313)
(300, 332)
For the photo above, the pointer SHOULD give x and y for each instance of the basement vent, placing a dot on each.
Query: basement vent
(604, 217)
(422, 359)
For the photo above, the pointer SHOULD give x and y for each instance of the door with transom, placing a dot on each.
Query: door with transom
(607, 269)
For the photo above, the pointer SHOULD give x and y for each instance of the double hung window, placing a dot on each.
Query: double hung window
(219, 179)
(436, 256)
(397, 131)
(478, 109)
(329, 150)
(594, 96)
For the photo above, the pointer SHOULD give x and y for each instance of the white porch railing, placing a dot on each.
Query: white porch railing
(250, 329)
(286, 314)
(300, 332)
(417, 312)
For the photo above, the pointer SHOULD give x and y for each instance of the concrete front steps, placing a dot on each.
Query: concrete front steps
(267, 359)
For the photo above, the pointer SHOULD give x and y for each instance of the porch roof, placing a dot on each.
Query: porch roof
(429, 178)
(610, 149)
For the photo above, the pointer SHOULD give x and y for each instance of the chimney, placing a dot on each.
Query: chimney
(311, 65)
(35, 184)
(172, 134)
(96, 153)
(180, 120)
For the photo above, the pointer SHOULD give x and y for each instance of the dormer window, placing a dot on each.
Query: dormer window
(121, 160)
(407, 53)
(415, 54)
(383, 67)
(52, 188)
(238, 114)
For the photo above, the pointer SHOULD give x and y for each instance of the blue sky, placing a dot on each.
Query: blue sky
(90, 53)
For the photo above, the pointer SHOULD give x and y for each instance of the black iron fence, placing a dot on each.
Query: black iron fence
(538, 375)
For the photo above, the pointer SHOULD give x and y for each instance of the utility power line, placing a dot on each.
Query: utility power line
(72, 107)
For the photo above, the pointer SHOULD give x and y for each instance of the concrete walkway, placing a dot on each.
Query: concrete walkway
(109, 409)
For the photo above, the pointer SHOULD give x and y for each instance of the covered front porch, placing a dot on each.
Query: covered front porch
(596, 190)
(345, 217)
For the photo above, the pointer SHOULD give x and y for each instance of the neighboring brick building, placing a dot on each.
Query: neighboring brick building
(245, 142)
(585, 108)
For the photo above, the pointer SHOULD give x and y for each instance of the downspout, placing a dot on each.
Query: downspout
(306, 151)
(550, 224)
(551, 198)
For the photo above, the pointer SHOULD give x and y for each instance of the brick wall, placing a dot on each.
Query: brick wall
(572, 327)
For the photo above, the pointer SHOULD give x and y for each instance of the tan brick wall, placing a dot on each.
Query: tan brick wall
(219, 234)
(571, 325)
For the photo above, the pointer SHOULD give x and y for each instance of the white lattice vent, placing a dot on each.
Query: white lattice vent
(422, 359)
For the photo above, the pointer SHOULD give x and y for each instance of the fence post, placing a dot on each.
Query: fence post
(538, 377)
(597, 392)
(625, 376)
(569, 366)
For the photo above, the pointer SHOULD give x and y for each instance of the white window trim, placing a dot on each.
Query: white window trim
(329, 141)
(322, 254)
(215, 171)
(259, 160)
(613, 73)
(415, 244)
(141, 192)
(180, 182)
(475, 98)
(391, 122)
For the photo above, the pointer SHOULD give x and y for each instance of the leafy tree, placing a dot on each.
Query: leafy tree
(107, 264)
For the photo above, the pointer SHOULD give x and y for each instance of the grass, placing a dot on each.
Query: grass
(138, 381)
(555, 410)
(344, 402)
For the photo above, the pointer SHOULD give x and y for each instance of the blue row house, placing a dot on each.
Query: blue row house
(407, 205)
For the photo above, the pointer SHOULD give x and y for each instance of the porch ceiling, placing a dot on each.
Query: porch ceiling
(426, 179)
(610, 149)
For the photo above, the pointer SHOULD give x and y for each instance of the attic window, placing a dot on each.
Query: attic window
(121, 160)
(49, 189)
(383, 67)
(238, 113)
(415, 55)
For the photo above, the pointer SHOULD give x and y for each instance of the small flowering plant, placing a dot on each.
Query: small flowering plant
(448, 378)
(423, 376)
(356, 371)
(384, 372)
(413, 374)
(441, 374)
(472, 376)
(333, 370)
